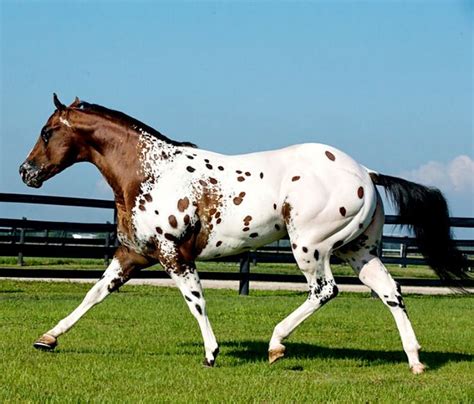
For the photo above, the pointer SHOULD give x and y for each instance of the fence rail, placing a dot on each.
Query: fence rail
(35, 238)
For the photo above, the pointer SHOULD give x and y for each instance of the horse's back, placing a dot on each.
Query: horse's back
(323, 187)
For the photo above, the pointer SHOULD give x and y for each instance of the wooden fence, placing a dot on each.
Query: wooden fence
(32, 238)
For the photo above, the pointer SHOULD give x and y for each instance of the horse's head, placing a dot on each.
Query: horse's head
(55, 149)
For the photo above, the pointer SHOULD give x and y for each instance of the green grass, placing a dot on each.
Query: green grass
(142, 345)
(413, 271)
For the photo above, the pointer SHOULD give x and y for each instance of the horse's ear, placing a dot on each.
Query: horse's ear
(58, 103)
(76, 103)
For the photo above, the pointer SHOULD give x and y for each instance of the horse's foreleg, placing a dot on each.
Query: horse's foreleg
(187, 280)
(116, 274)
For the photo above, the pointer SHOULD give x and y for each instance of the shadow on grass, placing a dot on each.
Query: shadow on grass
(256, 351)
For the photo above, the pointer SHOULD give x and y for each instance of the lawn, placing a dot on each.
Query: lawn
(141, 344)
(412, 271)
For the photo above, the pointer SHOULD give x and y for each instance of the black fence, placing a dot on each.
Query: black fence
(32, 238)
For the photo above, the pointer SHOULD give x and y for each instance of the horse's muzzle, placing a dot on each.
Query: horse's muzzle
(31, 174)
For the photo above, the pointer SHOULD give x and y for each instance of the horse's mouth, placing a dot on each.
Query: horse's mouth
(31, 175)
(34, 183)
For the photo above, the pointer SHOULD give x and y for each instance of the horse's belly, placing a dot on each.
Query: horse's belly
(236, 238)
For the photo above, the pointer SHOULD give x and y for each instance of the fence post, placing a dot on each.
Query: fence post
(20, 261)
(403, 254)
(244, 274)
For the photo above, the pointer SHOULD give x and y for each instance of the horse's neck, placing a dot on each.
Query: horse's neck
(128, 159)
(114, 153)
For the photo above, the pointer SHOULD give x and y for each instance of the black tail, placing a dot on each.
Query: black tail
(425, 211)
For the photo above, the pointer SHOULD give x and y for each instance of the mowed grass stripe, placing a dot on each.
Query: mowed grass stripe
(142, 344)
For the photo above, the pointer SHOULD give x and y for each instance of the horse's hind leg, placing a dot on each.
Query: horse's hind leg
(314, 263)
(116, 274)
(362, 255)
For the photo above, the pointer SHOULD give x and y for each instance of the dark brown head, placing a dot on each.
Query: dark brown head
(56, 148)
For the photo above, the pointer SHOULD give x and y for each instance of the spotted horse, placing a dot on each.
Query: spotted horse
(177, 204)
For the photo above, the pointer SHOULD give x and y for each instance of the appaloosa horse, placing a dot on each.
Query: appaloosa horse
(177, 204)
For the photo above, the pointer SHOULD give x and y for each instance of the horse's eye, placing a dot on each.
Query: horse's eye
(46, 134)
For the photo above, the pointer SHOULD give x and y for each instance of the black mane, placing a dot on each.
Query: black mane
(130, 122)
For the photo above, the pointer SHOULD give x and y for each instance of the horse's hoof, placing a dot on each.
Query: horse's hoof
(46, 343)
(417, 369)
(208, 363)
(275, 354)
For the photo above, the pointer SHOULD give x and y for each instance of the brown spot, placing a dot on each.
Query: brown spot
(248, 174)
(159, 230)
(156, 212)
(190, 169)
(330, 156)
(242, 194)
(141, 207)
(237, 200)
(295, 178)
(261, 175)
(342, 210)
(148, 197)
(141, 201)
(221, 168)
(240, 179)
(218, 221)
(172, 221)
(218, 243)
(196, 236)
(218, 215)
(253, 235)
(209, 166)
(305, 249)
(246, 229)
(203, 183)
(360, 192)
(247, 218)
(239, 172)
(275, 206)
(186, 219)
(206, 160)
(294, 246)
(189, 157)
(170, 237)
(212, 211)
(212, 180)
(183, 204)
(286, 212)
(277, 226)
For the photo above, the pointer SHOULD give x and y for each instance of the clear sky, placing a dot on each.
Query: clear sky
(389, 82)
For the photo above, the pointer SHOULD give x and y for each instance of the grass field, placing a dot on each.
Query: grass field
(413, 271)
(142, 345)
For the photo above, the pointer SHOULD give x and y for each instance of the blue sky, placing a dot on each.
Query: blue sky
(391, 83)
